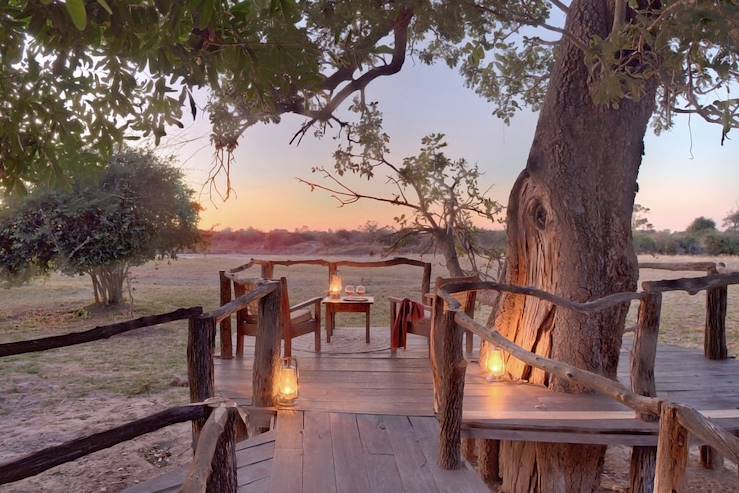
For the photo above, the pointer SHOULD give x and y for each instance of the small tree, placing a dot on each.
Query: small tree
(701, 225)
(441, 194)
(639, 219)
(138, 210)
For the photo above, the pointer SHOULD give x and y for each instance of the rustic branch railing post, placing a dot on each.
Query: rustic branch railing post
(436, 344)
(223, 475)
(214, 468)
(452, 393)
(714, 348)
(714, 341)
(426, 280)
(267, 349)
(672, 452)
(226, 338)
(200, 346)
(643, 383)
(267, 270)
(241, 318)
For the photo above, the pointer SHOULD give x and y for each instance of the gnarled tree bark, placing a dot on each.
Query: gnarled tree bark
(569, 232)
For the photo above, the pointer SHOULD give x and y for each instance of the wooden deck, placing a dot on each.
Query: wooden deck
(317, 452)
(400, 384)
(365, 421)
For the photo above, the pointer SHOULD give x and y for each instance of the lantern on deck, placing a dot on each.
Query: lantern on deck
(287, 383)
(494, 364)
(334, 287)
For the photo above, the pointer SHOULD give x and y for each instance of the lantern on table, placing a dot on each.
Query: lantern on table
(494, 364)
(334, 287)
(287, 384)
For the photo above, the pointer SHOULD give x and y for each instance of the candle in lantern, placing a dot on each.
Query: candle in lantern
(495, 364)
(334, 287)
(287, 386)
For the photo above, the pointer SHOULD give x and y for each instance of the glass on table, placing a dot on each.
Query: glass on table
(349, 289)
(360, 290)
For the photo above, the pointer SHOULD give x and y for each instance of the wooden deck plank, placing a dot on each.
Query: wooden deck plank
(318, 457)
(260, 486)
(287, 464)
(426, 431)
(253, 473)
(289, 430)
(373, 434)
(287, 471)
(350, 459)
(414, 468)
(383, 473)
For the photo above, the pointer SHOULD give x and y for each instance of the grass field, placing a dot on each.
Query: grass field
(57, 395)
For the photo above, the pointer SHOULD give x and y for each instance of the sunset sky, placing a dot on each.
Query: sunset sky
(674, 184)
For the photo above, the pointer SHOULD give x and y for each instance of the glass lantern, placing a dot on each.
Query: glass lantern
(334, 287)
(495, 364)
(287, 386)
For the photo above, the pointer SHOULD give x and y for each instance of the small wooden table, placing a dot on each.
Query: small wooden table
(338, 305)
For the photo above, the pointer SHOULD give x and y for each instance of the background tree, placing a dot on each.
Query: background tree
(442, 195)
(639, 219)
(701, 225)
(130, 66)
(138, 210)
(731, 222)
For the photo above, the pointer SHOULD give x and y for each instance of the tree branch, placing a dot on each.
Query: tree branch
(345, 195)
(561, 6)
(400, 33)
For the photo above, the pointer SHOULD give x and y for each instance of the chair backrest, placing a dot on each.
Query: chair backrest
(285, 308)
(242, 287)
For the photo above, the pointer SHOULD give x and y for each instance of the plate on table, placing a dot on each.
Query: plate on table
(355, 298)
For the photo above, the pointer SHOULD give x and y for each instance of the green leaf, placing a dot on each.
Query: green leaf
(76, 11)
(193, 107)
(105, 5)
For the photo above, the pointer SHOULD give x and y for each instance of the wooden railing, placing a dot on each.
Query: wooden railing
(267, 268)
(667, 473)
(714, 338)
(215, 422)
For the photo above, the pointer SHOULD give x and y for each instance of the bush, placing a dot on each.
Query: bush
(644, 243)
(721, 244)
(138, 210)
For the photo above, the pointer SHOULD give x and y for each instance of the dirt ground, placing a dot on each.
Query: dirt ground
(50, 397)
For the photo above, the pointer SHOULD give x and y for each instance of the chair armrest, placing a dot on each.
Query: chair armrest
(303, 304)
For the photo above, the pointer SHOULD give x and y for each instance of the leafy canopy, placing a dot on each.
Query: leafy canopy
(137, 210)
(701, 225)
(77, 76)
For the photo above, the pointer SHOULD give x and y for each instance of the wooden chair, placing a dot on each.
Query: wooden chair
(299, 319)
(423, 327)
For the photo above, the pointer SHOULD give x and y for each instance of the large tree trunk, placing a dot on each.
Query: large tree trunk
(569, 232)
(107, 283)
